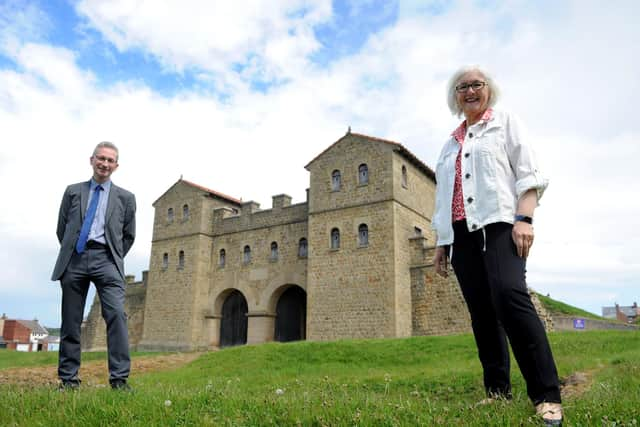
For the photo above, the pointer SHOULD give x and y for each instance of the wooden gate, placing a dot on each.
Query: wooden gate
(233, 326)
(291, 315)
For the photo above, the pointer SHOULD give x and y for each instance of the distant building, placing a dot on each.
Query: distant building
(627, 314)
(3, 344)
(51, 343)
(23, 335)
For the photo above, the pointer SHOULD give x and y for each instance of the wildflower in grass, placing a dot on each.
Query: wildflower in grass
(387, 381)
(167, 403)
(279, 391)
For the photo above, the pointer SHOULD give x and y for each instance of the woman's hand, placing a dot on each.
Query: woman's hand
(440, 261)
(522, 235)
(522, 232)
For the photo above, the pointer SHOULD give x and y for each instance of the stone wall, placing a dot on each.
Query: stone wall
(406, 222)
(93, 334)
(417, 192)
(249, 220)
(438, 305)
(346, 156)
(545, 316)
(566, 323)
(351, 291)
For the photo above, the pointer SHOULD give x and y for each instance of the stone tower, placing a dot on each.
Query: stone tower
(367, 198)
(180, 266)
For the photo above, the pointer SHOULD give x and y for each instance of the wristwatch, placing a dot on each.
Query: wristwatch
(524, 218)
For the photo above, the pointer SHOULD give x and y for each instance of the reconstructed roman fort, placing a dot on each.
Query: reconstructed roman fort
(352, 261)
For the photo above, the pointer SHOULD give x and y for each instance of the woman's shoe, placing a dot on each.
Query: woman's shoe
(551, 413)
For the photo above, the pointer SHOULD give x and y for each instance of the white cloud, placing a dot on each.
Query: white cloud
(21, 21)
(269, 39)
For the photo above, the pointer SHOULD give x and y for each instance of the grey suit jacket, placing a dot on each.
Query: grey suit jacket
(119, 228)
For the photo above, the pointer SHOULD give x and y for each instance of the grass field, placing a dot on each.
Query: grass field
(395, 382)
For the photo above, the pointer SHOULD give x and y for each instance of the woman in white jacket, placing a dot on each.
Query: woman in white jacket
(488, 186)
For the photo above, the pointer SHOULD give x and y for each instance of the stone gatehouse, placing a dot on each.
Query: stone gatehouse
(352, 261)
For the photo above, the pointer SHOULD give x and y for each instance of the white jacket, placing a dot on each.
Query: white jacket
(498, 167)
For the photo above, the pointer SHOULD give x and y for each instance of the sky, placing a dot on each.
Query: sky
(239, 96)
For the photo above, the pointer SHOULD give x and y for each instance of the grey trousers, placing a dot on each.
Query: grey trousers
(95, 265)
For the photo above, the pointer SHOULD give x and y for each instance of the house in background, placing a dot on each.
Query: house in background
(24, 335)
(3, 344)
(51, 343)
(626, 314)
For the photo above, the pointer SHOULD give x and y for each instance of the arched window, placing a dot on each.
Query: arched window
(246, 255)
(222, 259)
(363, 174)
(335, 238)
(170, 215)
(336, 180)
(185, 212)
(363, 235)
(302, 248)
(165, 261)
(274, 251)
(180, 260)
(404, 176)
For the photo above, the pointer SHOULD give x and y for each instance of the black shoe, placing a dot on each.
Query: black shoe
(120, 384)
(69, 385)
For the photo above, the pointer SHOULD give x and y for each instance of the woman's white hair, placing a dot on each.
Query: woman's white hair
(494, 90)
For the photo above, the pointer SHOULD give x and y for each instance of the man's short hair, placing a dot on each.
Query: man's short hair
(107, 144)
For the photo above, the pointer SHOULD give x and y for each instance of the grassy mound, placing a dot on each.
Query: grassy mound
(558, 308)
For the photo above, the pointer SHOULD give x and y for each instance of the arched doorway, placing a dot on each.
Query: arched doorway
(233, 325)
(291, 315)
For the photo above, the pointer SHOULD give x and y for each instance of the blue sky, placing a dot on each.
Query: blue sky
(209, 90)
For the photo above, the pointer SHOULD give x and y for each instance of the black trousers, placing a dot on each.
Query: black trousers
(492, 279)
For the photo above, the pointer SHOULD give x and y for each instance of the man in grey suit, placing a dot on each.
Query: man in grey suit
(96, 228)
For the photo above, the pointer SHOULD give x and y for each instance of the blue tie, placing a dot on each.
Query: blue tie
(88, 220)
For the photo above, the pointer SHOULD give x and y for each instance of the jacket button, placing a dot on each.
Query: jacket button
(470, 135)
(470, 199)
(474, 226)
(468, 176)
(467, 154)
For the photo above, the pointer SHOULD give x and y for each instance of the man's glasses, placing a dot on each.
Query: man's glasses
(104, 159)
(476, 86)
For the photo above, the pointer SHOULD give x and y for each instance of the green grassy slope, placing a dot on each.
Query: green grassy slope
(559, 308)
(415, 381)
